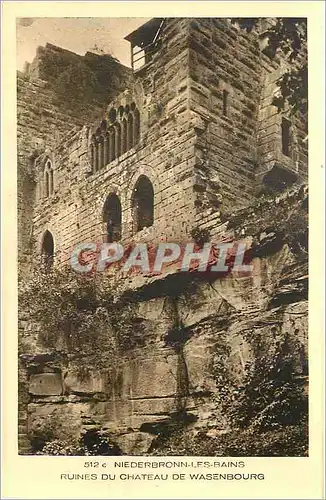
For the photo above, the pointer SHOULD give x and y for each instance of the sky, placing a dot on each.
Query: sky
(78, 34)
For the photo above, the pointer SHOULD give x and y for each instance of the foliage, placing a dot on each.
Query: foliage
(289, 35)
(284, 216)
(270, 393)
(283, 441)
(45, 432)
(199, 235)
(91, 443)
(76, 82)
(79, 315)
(293, 90)
(61, 448)
(296, 231)
(91, 78)
(266, 412)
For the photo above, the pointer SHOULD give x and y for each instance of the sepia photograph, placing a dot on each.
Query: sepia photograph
(162, 212)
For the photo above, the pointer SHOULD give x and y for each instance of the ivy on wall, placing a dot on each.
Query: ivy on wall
(93, 78)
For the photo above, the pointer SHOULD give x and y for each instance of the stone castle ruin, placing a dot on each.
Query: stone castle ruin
(186, 142)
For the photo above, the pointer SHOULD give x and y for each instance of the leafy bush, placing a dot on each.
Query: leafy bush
(283, 441)
(89, 444)
(267, 412)
(93, 78)
(288, 35)
(79, 315)
(270, 394)
(61, 448)
(199, 235)
(76, 82)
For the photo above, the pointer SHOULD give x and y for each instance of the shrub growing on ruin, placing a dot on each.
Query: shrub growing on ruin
(288, 35)
(91, 443)
(77, 315)
(271, 394)
(267, 411)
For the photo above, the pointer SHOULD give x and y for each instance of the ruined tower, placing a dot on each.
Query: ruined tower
(194, 136)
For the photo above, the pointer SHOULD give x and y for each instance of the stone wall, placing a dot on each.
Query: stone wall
(44, 117)
(269, 130)
(164, 153)
(208, 135)
(232, 84)
(226, 83)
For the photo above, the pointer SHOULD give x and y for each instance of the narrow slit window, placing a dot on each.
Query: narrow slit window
(286, 136)
(97, 156)
(106, 149)
(100, 153)
(93, 154)
(51, 187)
(112, 144)
(225, 102)
(136, 132)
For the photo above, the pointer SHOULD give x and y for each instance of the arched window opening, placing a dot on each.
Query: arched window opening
(103, 126)
(130, 133)
(112, 115)
(124, 137)
(48, 249)
(143, 204)
(98, 155)
(112, 218)
(51, 181)
(114, 138)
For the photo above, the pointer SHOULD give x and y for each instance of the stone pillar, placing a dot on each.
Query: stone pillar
(106, 150)
(117, 140)
(112, 147)
(93, 156)
(100, 155)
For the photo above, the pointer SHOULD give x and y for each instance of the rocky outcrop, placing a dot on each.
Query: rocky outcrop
(173, 371)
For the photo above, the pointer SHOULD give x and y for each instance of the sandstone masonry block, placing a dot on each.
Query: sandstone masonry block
(90, 385)
(45, 384)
